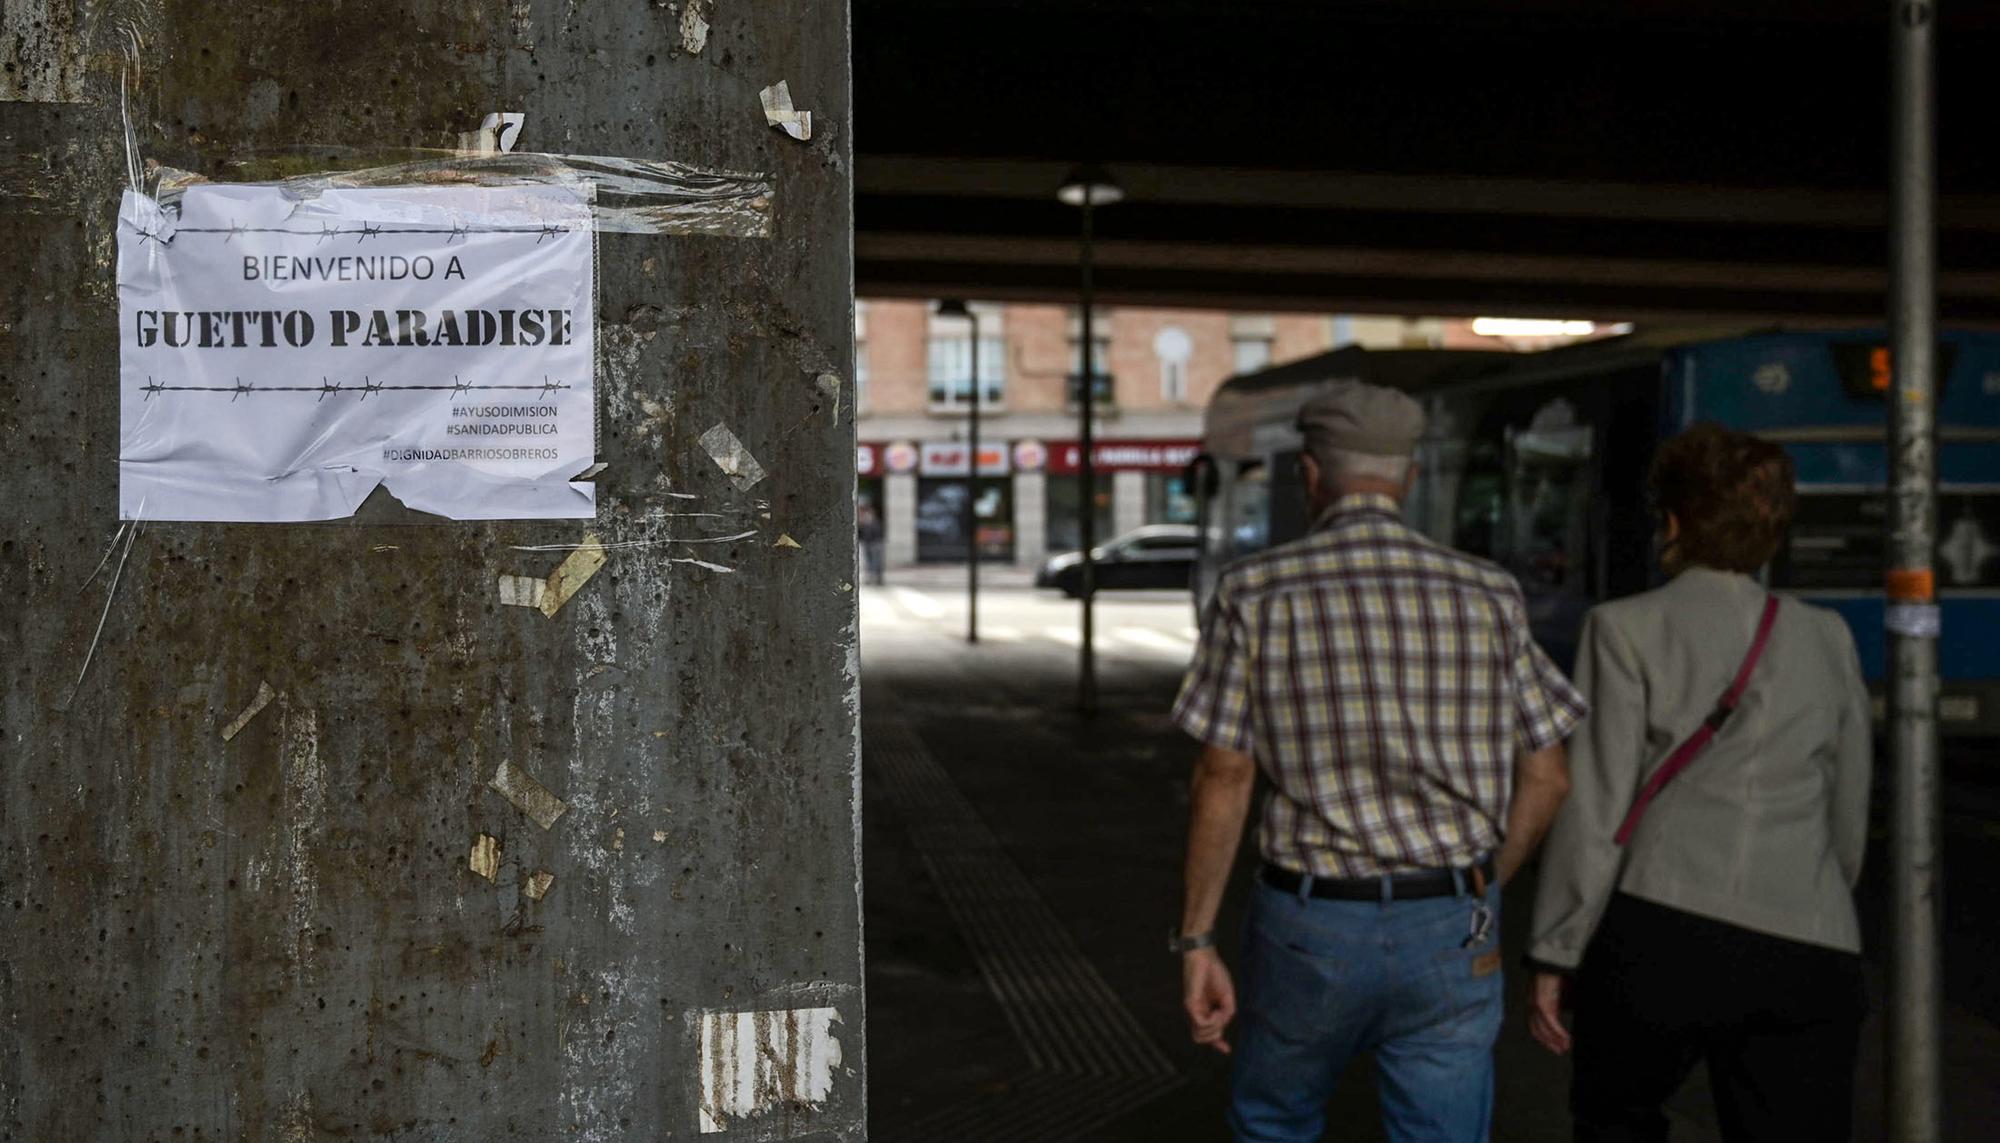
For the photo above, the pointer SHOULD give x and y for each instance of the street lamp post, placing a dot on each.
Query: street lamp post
(1087, 187)
(1916, 998)
(954, 307)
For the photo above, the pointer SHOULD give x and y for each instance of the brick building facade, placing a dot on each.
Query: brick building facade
(1156, 370)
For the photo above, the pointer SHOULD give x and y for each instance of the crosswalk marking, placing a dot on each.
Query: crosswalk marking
(917, 603)
(898, 612)
(878, 612)
(1154, 640)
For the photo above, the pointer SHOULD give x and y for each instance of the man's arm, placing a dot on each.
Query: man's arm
(1220, 802)
(1541, 782)
(1220, 793)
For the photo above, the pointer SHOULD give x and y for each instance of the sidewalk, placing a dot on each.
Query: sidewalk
(1022, 871)
(951, 577)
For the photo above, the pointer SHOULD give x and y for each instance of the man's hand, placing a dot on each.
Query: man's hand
(1209, 996)
(1545, 1014)
(1220, 793)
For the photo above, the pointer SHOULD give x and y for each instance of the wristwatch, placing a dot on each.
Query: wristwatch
(1178, 944)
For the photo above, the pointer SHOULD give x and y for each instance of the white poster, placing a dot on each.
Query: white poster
(281, 355)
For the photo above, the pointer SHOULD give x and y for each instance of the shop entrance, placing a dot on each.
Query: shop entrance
(941, 534)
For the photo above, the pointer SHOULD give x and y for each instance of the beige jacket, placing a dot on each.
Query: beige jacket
(1765, 829)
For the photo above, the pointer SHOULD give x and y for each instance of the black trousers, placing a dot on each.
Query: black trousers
(1777, 1021)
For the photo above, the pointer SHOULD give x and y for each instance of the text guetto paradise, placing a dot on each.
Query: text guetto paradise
(269, 329)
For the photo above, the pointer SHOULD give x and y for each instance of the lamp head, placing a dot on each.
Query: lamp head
(953, 307)
(1091, 179)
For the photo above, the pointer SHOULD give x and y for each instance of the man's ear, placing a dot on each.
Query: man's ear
(1309, 467)
(1410, 479)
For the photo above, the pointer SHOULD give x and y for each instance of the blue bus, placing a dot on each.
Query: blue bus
(1538, 462)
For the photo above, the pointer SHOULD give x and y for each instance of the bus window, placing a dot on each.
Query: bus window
(1478, 510)
(1548, 501)
(1247, 514)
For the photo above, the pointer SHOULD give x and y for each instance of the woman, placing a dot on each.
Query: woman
(1723, 928)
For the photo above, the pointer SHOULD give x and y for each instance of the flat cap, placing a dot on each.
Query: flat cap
(1353, 416)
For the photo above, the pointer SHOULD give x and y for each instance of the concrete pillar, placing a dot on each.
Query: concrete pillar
(278, 936)
(899, 517)
(1128, 501)
(1031, 511)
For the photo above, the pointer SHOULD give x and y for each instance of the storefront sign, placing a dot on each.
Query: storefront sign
(281, 356)
(1030, 455)
(950, 458)
(867, 460)
(1066, 457)
(900, 457)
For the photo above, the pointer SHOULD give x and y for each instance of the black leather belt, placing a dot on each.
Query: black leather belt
(1402, 886)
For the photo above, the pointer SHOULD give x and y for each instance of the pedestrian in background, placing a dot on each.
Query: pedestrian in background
(1697, 891)
(868, 532)
(1412, 734)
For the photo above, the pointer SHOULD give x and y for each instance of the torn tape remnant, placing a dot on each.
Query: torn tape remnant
(570, 576)
(538, 884)
(785, 541)
(495, 135)
(485, 857)
(694, 29)
(729, 455)
(528, 795)
(757, 1062)
(779, 112)
(522, 591)
(264, 696)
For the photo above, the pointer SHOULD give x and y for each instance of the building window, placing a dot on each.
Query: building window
(860, 377)
(1100, 364)
(1173, 347)
(951, 372)
(1250, 353)
(860, 356)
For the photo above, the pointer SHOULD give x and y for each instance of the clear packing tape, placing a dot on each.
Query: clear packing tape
(627, 196)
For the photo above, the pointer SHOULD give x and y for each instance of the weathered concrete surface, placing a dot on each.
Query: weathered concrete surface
(282, 936)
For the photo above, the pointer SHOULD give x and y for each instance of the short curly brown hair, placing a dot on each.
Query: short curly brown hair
(1732, 494)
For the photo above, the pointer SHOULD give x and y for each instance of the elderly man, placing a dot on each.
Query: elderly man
(1411, 731)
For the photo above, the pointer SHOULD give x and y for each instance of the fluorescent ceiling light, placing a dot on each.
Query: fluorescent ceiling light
(1531, 327)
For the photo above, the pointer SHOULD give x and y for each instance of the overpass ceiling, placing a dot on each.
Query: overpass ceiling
(1643, 159)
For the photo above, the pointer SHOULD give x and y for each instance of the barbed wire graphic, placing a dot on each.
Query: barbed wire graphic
(362, 233)
(367, 387)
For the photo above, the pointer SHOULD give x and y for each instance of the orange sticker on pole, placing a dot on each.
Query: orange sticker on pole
(1911, 585)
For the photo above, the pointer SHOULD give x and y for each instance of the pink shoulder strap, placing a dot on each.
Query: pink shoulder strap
(1697, 742)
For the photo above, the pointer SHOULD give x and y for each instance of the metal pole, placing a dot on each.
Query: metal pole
(1916, 998)
(1086, 680)
(972, 495)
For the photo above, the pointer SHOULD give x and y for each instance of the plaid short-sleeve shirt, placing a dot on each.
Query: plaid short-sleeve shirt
(1385, 683)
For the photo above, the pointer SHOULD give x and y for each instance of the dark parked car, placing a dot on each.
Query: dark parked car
(1158, 555)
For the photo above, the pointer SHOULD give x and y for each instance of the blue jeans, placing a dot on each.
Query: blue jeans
(1322, 980)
